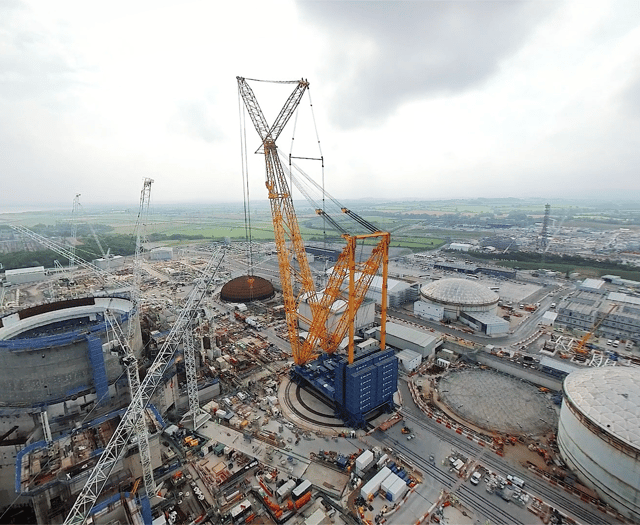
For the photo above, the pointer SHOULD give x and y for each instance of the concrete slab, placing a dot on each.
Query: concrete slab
(326, 478)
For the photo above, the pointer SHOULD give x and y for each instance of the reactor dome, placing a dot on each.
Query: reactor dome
(599, 433)
(460, 295)
(247, 288)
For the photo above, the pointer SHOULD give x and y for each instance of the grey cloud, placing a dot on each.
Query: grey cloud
(420, 48)
(629, 101)
(33, 62)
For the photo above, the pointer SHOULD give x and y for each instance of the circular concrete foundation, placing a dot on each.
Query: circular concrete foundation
(498, 402)
(308, 408)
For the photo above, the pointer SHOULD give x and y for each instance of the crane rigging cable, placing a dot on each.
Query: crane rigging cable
(245, 186)
(338, 213)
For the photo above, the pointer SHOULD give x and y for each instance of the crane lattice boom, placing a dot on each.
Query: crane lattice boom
(291, 246)
(126, 429)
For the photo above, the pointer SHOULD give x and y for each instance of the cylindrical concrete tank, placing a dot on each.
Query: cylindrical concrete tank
(599, 433)
(460, 295)
(55, 351)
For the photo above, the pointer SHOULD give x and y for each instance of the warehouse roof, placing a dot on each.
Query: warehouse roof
(20, 271)
(610, 398)
(417, 337)
(459, 291)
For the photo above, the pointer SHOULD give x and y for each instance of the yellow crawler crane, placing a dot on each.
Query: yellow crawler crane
(350, 279)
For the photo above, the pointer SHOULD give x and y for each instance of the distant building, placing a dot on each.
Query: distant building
(109, 263)
(24, 275)
(163, 253)
(460, 246)
(585, 309)
(592, 285)
(398, 292)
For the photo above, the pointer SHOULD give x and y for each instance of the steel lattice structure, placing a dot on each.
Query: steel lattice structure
(131, 365)
(55, 247)
(126, 430)
(291, 246)
(190, 369)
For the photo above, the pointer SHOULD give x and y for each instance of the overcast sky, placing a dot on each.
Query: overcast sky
(427, 100)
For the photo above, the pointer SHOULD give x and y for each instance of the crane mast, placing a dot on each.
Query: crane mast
(285, 222)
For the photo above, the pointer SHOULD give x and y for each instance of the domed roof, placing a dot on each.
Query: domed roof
(246, 288)
(460, 292)
(610, 398)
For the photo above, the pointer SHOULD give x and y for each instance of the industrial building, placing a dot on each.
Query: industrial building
(365, 316)
(409, 359)
(460, 295)
(328, 254)
(109, 263)
(404, 337)
(472, 269)
(599, 434)
(586, 309)
(24, 275)
(433, 312)
(398, 292)
(462, 300)
(460, 246)
(162, 253)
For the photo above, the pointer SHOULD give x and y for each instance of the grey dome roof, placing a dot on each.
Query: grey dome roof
(459, 292)
(610, 398)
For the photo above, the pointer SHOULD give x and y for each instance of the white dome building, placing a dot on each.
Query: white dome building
(460, 295)
(599, 434)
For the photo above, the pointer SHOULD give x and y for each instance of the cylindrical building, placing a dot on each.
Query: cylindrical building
(460, 295)
(599, 434)
(54, 352)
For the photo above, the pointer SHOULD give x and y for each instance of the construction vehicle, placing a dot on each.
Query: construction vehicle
(350, 278)
(405, 430)
(581, 347)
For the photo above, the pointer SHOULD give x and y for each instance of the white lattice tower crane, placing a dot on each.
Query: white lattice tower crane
(126, 429)
(192, 381)
(130, 363)
(74, 230)
(140, 232)
(129, 359)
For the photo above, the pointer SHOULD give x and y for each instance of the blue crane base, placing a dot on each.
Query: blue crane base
(354, 390)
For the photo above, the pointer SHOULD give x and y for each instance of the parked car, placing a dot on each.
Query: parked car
(475, 478)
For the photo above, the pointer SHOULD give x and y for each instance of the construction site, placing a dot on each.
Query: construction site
(175, 387)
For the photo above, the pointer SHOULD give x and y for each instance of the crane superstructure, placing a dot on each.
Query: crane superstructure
(350, 278)
(125, 432)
